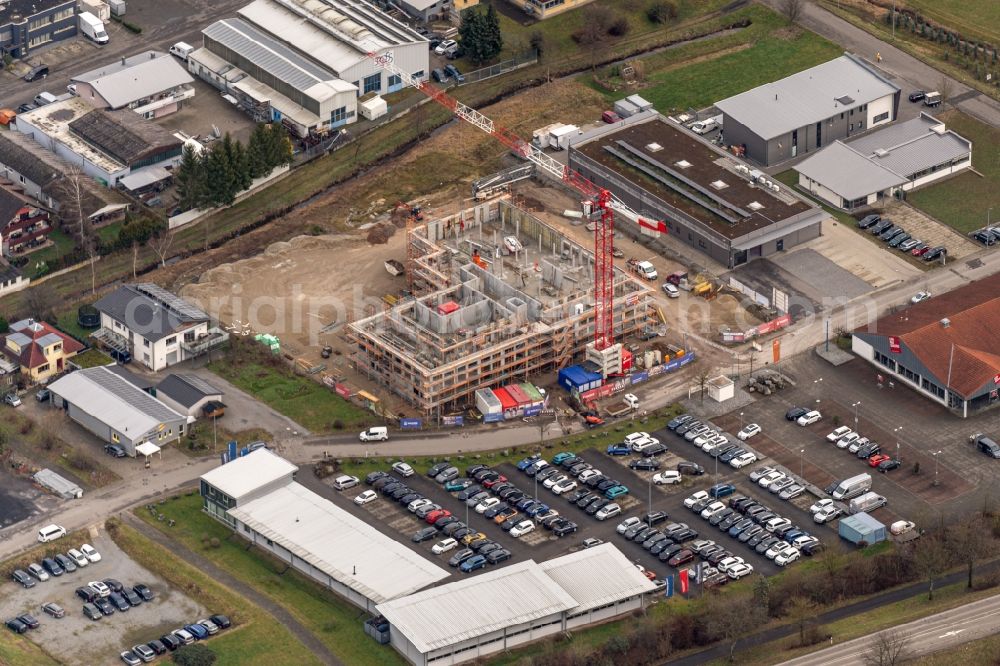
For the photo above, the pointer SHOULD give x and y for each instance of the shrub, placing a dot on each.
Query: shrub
(196, 654)
(620, 27)
(661, 11)
(132, 27)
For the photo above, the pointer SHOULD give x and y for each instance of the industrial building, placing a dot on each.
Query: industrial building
(26, 25)
(708, 198)
(187, 394)
(256, 495)
(517, 604)
(150, 83)
(116, 411)
(944, 348)
(803, 112)
(865, 170)
(501, 296)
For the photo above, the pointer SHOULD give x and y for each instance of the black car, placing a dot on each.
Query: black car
(597, 505)
(729, 521)
(492, 512)
(687, 425)
(509, 524)
(442, 523)
(864, 223)
(439, 75)
(409, 498)
(452, 527)
(654, 539)
(654, 450)
(569, 461)
(37, 72)
(68, 565)
(679, 421)
(29, 620)
(472, 469)
(451, 70)
(690, 468)
(765, 544)
(52, 567)
(655, 518)
(437, 469)
(157, 646)
(483, 474)
(917, 95)
(900, 239)
(723, 449)
(462, 532)
(720, 516)
(887, 465)
(577, 494)
(890, 232)
(935, 253)
(595, 481)
(643, 534)
(221, 621)
(104, 606)
(646, 464)
(460, 556)
(119, 602)
(732, 453)
(578, 468)
(868, 450)
(549, 522)
(469, 492)
(115, 450)
(607, 484)
(497, 556)
(402, 492)
(515, 496)
(551, 470)
(583, 501)
(669, 551)
(131, 597)
(686, 534)
(23, 578)
(794, 413)
(661, 546)
(383, 482)
(375, 476)
(16, 626)
(170, 641)
(86, 593)
(564, 527)
(880, 226)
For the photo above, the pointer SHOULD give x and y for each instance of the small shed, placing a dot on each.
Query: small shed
(625, 108)
(639, 102)
(576, 378)
(62, 487)
(862, 528)
(721, 388)
(488, 403)
(373, 108)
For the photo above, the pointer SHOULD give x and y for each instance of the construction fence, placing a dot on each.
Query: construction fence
(523, 59)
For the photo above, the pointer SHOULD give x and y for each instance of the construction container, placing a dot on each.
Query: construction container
(373, 108)
(99, 9)
(117, 7)
(507, 403)
(639, 102)
(575, 378)
(627, 360)
(625, 108)
(518, 394)
(533, 393)
(487, 403)
(541, 136)
(447, 307)
(862, 528)
(561, 137)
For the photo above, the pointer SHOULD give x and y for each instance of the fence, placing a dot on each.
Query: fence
(522, 59)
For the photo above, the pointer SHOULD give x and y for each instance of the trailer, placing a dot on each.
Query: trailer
(394, 268)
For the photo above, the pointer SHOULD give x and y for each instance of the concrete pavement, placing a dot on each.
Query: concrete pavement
(914, 73)
(924, 636)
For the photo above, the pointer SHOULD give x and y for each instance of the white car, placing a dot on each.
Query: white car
(487, 504)
(718, 439)
(707, 438)
(726, 563)
(826, 514)
(100, 588)
(759, 473)
(402, 469)
(856, 445)
(522, 528)
(610, 511)
(743, 460)
(694, 499)
(786, 557)
(838, 433)
(417, 504)
(588, 474)
(920, 296)
(78, 558)
(773, 551)
(800, 542)
(444, 546)
(847, 440)
(809, 418)
(769, 478)
(776, 523)
(366, 497)
(712, 509)
(564, 487)
(820, 505)
(446, 47)
(640, 444)
(376, 434)
(90, 552)
(739, 571)
(633, 437)
(901, 526)
(627, 523)
(749, 430)
(554, 479)
(670, 290)
(701, 544)
(667, 477)
(345, 481)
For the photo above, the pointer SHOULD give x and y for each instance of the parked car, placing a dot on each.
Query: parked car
(809, 418)
(22, 578)
(452, 71)
(794, 413)
(90, 552)
(917, 96)
(473, 563)
(748, 431)
(115, 450)
(920, 296)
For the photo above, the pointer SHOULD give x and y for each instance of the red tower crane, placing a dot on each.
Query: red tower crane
(599, 200)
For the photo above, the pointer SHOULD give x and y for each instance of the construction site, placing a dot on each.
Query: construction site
(498, 295)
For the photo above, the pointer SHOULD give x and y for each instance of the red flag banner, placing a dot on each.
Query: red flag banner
(894, 344)
(684, 581)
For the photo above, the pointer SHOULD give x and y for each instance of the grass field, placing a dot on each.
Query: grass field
(969, 17)
(62, 244)
(254, 638)
(67, 322)
(307, 402)
(337, 623)
(982, 651)
(962, 201)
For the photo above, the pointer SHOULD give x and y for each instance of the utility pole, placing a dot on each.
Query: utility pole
(855, 406)
(895, 431)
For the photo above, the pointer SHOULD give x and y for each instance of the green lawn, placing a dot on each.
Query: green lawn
(962, 201)
(254, 638)
(67, 321)
(92, 358)
(109, 232)
(302, 399)
(768, 58)
(335, 622)
(62, 244)
(972, 17)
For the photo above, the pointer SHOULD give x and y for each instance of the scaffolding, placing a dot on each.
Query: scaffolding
(504, 296)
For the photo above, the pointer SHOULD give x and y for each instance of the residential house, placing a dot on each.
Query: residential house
(154, 327)
(23, 226)
(40, 350)
(152, 84)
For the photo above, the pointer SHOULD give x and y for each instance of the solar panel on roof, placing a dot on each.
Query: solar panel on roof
(173, 302)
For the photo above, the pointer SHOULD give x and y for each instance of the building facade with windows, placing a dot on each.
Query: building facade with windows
(803, 112)
(151, 83)
(38, 349)
(543, 9)
(27, 25)
(115, 410)
(23, 225)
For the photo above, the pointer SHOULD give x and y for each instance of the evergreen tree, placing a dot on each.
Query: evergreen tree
(257, 164)
(241, 165)
(480, 32)
(190, 179)
(282, 145)
(220, 177)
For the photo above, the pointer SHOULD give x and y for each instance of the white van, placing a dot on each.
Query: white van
(852, 487)
(376, 434)
(182, 50)
(51, 533)
(867, 502)
(43, 98)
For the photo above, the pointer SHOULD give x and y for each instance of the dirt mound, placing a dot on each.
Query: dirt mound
(380, 234)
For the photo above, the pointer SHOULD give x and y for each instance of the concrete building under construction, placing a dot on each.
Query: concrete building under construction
(499, 296)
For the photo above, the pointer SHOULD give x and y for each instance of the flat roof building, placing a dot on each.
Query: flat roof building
(862, 171)
(945, 347)
(151, 83)
(708, 198)
(803, 112)
(516, 604)
(27, 25)
(116, 411)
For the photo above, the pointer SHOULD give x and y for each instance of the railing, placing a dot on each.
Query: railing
(214, 338)
(522, 59)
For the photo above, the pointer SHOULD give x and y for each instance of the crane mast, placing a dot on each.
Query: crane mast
(599, 201)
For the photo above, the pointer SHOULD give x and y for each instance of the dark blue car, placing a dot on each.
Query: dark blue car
(527, 462)
(722, 490)
(197, 630)
(471, 564)
(619, 450)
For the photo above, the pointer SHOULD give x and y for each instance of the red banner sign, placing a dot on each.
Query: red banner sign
(342, 390)
(894, 345)
(776, 350)
(996, 379)
(684, 581)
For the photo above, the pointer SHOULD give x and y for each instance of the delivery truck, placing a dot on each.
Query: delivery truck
(93, 28)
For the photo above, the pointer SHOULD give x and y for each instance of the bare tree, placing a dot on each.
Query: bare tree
(732, 618)
(135, 257)
(702, 380)
(888, 648)
(792, 9)
(161, 242)
(41, 301)
(931, 558)
(73, 187)
(801, 611)
(944, 87)
(970, 541)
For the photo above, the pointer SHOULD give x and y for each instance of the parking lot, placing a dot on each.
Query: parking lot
(75, 639)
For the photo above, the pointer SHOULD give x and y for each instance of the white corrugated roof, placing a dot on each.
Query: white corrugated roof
(452, 613)
(246, 474)
(130, 79)
(597, 576)
(346, 548)
(848, 173)
(807, 97)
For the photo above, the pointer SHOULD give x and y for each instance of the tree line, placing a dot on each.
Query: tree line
(213, 177)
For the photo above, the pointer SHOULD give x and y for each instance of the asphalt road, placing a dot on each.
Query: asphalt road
(931, 634)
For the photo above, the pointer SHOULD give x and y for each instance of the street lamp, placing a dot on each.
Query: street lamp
(651, 494)
(801, 453)
(741, 420)
(895, 432)
(855, 406)
(936, 466)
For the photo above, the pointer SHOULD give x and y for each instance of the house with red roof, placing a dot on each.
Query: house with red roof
(946, 347)
(38, 349)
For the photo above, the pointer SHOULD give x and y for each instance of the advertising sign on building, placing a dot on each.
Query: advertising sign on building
(410, 424)
(894, 344)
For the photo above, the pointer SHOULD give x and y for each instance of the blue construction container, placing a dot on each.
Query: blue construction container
(862, 528)
(575, 378)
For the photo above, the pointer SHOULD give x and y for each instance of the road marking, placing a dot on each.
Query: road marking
(954, 632)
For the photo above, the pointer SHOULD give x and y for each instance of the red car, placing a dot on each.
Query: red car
(876, 460)
(437, 515)
(489, 483)
(920, 251)
(649, 574)
(682, 557)
(593, 421)
(610, 117)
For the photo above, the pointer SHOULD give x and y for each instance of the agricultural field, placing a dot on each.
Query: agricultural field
(969, 17)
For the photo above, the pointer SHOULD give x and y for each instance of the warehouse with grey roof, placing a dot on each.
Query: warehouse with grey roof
(860, 172)
(803, 112)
